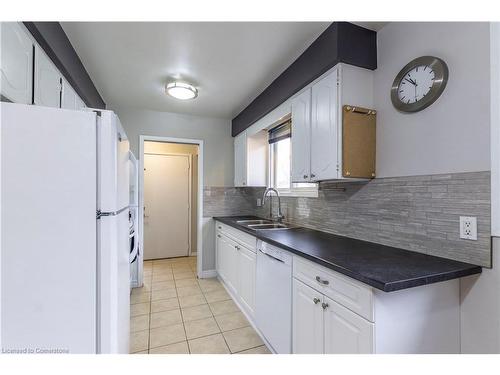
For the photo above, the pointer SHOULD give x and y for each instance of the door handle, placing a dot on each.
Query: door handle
(324, 282)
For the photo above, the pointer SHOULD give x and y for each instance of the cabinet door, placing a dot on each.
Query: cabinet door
(240, 160)
(219, 255)
(47, 81)
(345, 331)
(301, 137)
(246, 283)
(307, 319)
(16, 66)
(80, 103)
(228, 261)
(324, 129)
(68, 96)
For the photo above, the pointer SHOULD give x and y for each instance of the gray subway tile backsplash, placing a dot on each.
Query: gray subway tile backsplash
(418, 213)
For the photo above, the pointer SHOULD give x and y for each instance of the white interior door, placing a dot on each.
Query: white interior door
(166, 206)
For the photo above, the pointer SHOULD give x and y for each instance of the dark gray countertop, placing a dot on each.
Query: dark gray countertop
(382, 267)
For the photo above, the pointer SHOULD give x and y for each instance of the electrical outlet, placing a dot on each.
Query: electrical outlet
(468, 228)
(259, 202)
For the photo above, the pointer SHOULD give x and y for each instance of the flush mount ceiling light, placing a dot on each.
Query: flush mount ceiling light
(181, 90)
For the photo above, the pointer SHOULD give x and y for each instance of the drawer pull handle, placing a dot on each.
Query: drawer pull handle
(324, 282)
(324, 305)
(316, 300)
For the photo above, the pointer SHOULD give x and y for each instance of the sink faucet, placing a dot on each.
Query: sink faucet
(267, 192)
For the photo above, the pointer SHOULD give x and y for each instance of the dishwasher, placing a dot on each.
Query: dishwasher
(273, 296)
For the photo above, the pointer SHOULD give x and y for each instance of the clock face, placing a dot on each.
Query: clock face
(416, 84)
(419, 84)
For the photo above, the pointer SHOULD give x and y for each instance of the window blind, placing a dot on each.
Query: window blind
(280, 132)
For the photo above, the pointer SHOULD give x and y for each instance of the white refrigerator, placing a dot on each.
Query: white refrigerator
(65, 269)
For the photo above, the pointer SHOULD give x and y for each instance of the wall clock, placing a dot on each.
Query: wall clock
(419, 84)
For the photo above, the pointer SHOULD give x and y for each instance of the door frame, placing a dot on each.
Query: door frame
(190, 193)
(199, 236)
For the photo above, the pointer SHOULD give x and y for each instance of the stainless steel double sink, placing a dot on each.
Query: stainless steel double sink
(262, 224)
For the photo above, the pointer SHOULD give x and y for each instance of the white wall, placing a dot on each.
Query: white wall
(218, 147)
(452, 135)
(216, 134)
(480, 295)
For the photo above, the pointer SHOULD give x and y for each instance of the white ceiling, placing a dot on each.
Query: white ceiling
(230, 63)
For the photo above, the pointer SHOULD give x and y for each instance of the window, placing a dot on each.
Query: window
(280, 151)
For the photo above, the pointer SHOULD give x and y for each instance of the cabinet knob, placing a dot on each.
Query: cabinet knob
(305, 176)
(316, 300)
(324, 305)
(313, 175)
(243, 183)
(237, 247)
(218, 235)
(321, 281)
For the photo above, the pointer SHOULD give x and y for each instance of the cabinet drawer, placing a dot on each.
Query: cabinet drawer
(242, 238)
(350, 293)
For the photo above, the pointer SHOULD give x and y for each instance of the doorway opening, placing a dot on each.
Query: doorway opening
(171, 198)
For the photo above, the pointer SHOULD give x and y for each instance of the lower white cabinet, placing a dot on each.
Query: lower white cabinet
(227, 259)
(320, 325)
(246, 278)
(345, 331)
(308, 324)
(335, 314)
(236, 262)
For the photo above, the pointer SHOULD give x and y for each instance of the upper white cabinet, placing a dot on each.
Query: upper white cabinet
(301, 137)
(48, 81)
(324, 128)
(240, 160)
(69, 98)
(317, 136)
(16, 66)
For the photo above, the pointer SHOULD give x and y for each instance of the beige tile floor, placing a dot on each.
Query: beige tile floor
(176, 313)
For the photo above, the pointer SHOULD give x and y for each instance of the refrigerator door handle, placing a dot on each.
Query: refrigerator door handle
(100, 214)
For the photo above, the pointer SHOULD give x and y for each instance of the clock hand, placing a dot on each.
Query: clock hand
(411, 81)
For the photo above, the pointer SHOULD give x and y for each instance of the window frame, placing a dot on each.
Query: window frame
(307, 192)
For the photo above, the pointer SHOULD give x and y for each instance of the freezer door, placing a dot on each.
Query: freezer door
(48, 229)
(113, 163)
(114, 283)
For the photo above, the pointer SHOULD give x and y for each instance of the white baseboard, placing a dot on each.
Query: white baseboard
(208, 274)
